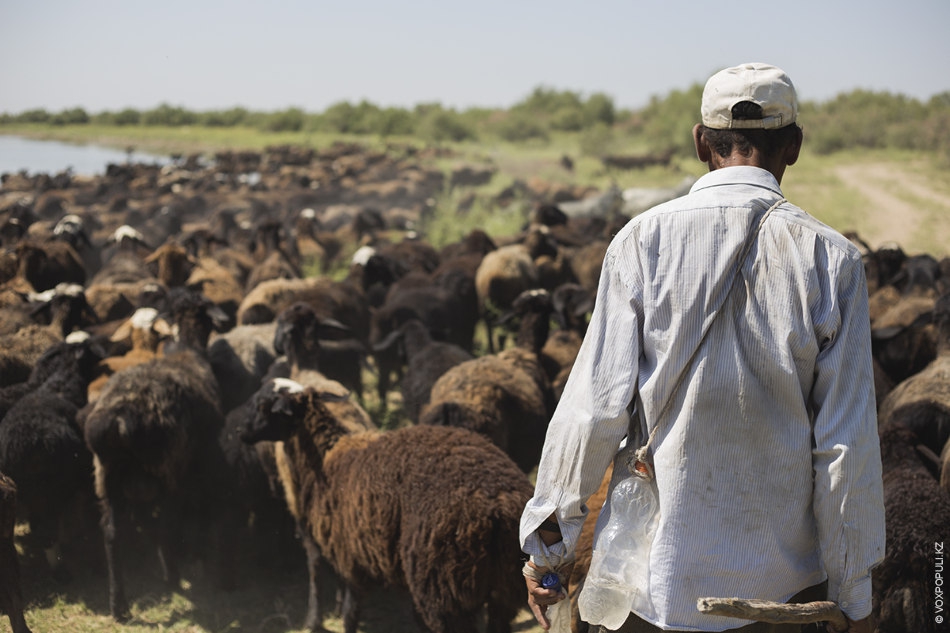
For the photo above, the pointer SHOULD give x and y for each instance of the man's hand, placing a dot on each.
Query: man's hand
(539, 598)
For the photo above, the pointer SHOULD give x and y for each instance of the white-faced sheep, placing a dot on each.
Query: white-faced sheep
(11, 593)
(124, 259)
(145, 332)
(51, 316)
(434, 510)
(154, 433)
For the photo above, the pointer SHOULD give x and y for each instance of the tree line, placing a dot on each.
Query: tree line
(859, 119)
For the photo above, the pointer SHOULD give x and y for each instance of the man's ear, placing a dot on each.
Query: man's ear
(794, 148)
(702, 149)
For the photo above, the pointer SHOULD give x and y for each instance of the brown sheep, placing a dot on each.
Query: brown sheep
(435, 510)
(506, 396)
(145, 331)
(46, 264)
(503, 274)
(922, 401)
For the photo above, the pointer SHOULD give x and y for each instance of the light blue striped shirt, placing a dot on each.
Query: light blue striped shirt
(767, 463)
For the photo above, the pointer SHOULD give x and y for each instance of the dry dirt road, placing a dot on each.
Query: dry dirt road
(903, 206)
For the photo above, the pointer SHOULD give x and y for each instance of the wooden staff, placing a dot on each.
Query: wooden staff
(774, 612)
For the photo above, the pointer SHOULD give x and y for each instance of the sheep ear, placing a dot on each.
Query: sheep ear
(389, 341)
(41, 309)
(282, 405)
(219, 318)
(123, 332)
(507, 316)
(886, 333)
(331, 329)
(162, 327)
(927, 454)
(329, 396)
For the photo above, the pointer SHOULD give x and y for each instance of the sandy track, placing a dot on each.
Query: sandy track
(902, 207)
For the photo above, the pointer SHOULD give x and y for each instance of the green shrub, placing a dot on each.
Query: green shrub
(599, 108)
(520, 126)
(439, 125)
(38, 115)
(72, 116)
(128, 116)
(169, 116)
(225, 118)
(568, 119)
(289, 120)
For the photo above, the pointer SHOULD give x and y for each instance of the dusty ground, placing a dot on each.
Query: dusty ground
(903, 206)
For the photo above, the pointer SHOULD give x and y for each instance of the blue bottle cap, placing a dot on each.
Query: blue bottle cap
(550, 580)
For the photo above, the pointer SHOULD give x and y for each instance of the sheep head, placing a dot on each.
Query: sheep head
(300, 332)
(277, 412)
(283, 407)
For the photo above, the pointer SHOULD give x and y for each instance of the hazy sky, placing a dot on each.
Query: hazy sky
(111, 54)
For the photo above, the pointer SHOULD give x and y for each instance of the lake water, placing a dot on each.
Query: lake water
(51, 157)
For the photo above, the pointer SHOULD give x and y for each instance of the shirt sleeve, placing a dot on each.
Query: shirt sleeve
(848, 494)
(591, 418)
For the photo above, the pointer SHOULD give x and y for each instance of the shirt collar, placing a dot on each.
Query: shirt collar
(741, 175)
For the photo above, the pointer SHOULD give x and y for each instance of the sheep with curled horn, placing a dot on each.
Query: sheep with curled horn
(432, 509)
(154, 433)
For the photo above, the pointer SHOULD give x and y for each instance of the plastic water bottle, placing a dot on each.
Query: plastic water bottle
(621, 561)
(558, 614)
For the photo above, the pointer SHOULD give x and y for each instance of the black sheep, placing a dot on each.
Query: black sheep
(426, 360)
(447, 304)
(11, 595)
(311, 341)
(42, 449)
(154, 436)
(917, 514)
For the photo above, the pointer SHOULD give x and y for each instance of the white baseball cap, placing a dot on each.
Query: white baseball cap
(763, 84)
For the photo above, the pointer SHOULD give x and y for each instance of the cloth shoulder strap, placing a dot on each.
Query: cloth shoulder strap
(642, 452)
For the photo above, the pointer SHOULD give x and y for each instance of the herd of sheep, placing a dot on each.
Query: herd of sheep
(179, 363)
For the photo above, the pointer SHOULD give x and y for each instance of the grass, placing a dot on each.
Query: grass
(181, 140)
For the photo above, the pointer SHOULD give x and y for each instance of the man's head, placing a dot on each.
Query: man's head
(749, 115)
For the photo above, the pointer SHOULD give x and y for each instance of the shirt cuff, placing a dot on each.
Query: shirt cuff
(550, 557)
(855, 599)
